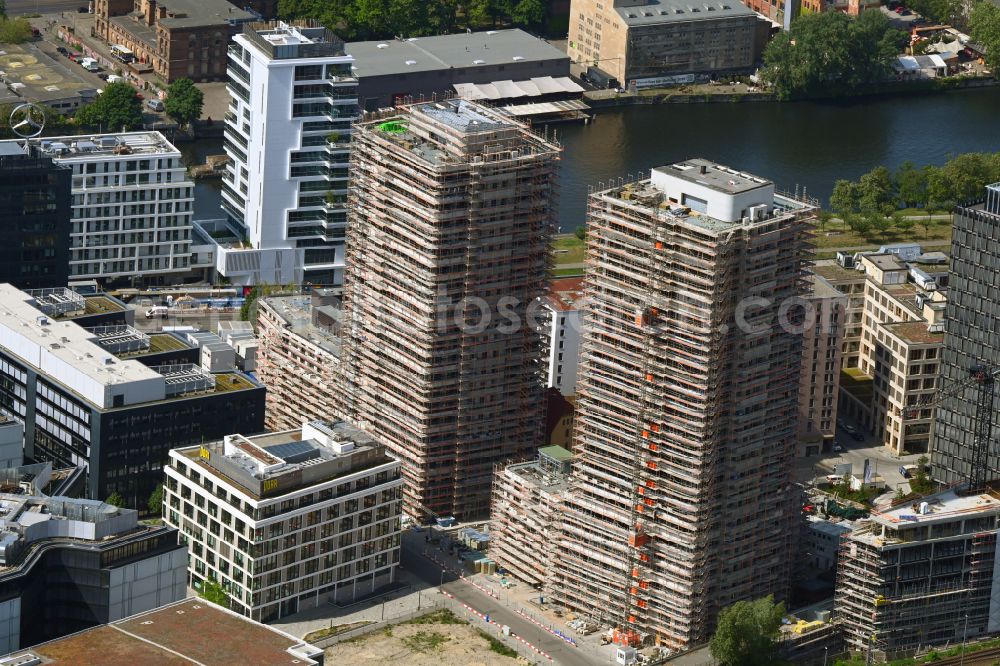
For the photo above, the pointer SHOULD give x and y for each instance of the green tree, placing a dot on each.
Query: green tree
(845, 197)
(55, 123)
(14, 30)
(940, 191)
(115, 499)
(878, 222)
(746, 633)
(911, 185)
(528, 13)
(184, 101)
(859, 224)
(875, 194)
(902, 222)
(581, 233)
(939, 11)
(212, 590)
(155, 503)
(116, 109)
(984, 27)
(249, 308)
(830, 54)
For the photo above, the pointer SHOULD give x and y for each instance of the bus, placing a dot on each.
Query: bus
(123, 53)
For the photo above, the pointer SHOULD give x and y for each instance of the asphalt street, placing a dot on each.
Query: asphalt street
(562, 653)
(20, 7)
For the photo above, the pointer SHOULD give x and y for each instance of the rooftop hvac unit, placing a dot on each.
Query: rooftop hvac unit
(758, 212)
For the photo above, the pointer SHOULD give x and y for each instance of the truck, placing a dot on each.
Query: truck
(90, 65)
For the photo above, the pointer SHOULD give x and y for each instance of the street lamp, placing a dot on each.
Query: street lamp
(826, 650)
(965, 632)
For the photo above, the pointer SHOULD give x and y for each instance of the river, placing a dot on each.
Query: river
(804, 144)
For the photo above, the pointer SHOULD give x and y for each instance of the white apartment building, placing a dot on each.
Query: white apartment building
(287, 521)
(561, 333)
(132, 205)
(288, 130)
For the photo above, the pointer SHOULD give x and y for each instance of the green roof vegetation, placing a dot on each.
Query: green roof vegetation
(857, 383)
(392, 127)
(228, 381)
(556, 452)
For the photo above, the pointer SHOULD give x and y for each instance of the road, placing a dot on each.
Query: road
(19, 7)
(425, 569)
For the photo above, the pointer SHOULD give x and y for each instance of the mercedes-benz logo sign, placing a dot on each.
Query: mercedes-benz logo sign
(27, 120)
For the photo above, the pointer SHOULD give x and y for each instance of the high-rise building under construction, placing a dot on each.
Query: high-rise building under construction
(451, 213)
(681, 498)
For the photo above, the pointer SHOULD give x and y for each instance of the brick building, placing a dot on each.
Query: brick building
(174, 38)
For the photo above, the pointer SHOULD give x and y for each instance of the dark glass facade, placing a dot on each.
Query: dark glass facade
(972, 334)
(35, 213)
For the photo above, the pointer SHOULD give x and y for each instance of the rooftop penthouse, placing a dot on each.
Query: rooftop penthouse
(300, 314)
(278, 463)
(283, 41)
(104, 145)
(706, 195)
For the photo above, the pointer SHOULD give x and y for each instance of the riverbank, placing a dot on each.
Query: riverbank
(602, 100)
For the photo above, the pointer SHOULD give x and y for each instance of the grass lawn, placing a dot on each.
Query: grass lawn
(835, 235)
(567, 272)
(568, 249)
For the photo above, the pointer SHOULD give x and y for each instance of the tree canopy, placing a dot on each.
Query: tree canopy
(116, 109)
(939, 11)
(746, 633)
(184, 101)
(984, 27)
(115, 499)
(831, 53)
(212, 590)
(14, 30)
(879, 192)
(384, 19)
(155, 503)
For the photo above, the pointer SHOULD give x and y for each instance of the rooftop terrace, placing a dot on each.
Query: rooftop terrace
(946, 506)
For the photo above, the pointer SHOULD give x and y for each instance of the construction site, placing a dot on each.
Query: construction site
(527, 513)
(299, 357)
(680, 501)
(451, 217)
(921, 574)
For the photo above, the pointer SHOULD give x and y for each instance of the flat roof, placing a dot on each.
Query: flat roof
(13, 147)
(461, 50)
(296, 311)
(188, 632)
(564, 292)
(714, 176)
(88, 146)
(193, 13)
(508, 89)
(821, 287)
(915, 332)
(945, 506)
(886, 261)
(556, 452)
(836, 273)
(72, 344)
(653, 12)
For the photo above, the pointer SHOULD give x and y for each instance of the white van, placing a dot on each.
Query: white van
(90, 65)
(157, 311)
(114, 78)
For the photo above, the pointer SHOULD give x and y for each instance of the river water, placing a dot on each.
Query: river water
(804, 144)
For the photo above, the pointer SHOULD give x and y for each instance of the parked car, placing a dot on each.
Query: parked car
(837, 448)
(114, 78)
(73, 57)
(138, 95)
(62, 50)
(82, 10)
(103, 76)
(849, 429)
(154, 105)
(858, 436)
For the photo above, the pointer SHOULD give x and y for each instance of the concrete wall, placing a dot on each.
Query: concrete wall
(142, 586)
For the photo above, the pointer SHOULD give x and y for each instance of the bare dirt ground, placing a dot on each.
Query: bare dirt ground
(420, 645)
